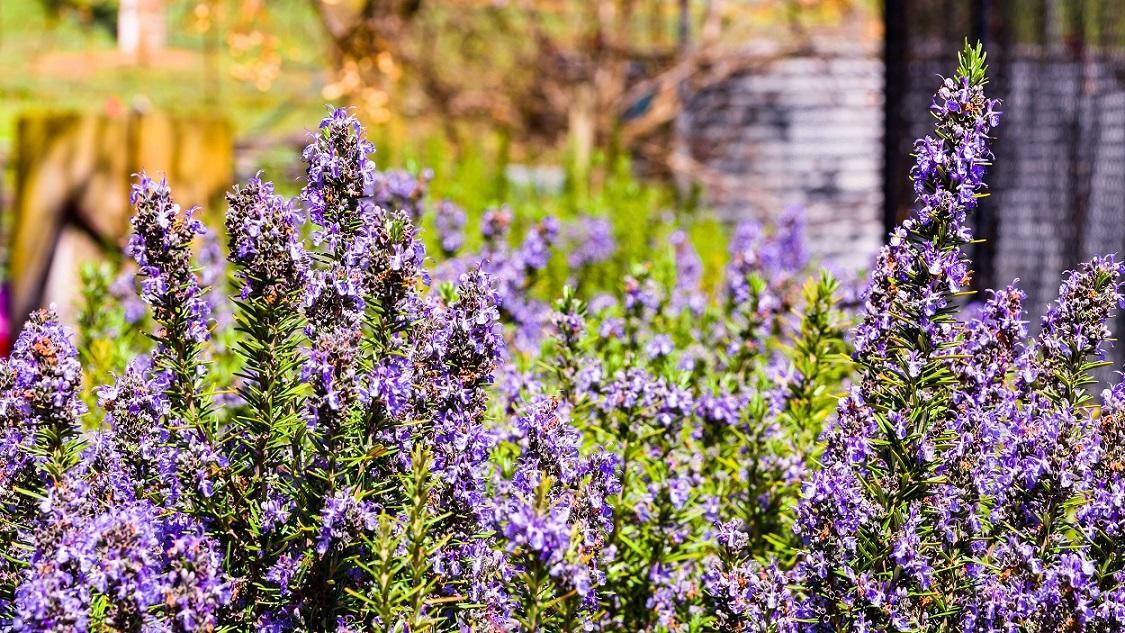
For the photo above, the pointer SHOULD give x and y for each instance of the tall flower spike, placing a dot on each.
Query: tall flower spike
(46, 371)
(263, 230)
(1075, 329)
(553, 514)
(865, 562)
(1044, 462)
(687, 294)
(16, 471)
(392, 263)
(339, 174)
(457, 364)
(333, 309)
(1102, 517)
(40, 407)
(263, 233)
(161, 245)
(136, 413)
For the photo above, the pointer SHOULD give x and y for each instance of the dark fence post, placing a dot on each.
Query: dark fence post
(987, 229)
(895, 68)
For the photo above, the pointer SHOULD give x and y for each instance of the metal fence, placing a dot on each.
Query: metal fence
(1058, 183)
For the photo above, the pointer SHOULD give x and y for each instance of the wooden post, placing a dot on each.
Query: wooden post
(72, 177)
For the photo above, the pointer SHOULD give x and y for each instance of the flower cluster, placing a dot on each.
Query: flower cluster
(263, 231)
(161, 245)
(554, 515)
(963, 472)
(362, 447)
(515, 270)
(40, 411)
(703, 430)
(97, 550)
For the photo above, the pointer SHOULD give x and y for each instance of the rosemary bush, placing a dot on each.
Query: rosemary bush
(323, 431)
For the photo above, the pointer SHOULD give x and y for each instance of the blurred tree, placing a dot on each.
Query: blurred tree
(603, 74)
(102, 13)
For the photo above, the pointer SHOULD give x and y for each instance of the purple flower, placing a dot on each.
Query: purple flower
(589, 241)
(496, 224)
(283, 571)
(659, 346)
(42, 380)
(161, 245)
(263, 235)
(93, 538)
(342, 519)
(449, 220)
(399, 190)
(339, 173)
(553, 511)
(689, 273)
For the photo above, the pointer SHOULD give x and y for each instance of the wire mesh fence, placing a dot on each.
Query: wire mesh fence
(1058, 185)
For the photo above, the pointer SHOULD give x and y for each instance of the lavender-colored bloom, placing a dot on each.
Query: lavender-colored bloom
(342, 520)
(136, 413)
(1102, 517)
(496, 224)
(93, 537)
(399, 190)
(553, 511)
(161, 245)
(275, 511)
(40, 411)
(283, 571)
(449, 220)
(374, 245)
(390, 255)
(535, 251)
(45, 368)
(639, 396)
(117, 554)
(263, 234)
(459, 349)
(40, 407)
(1044, 454)
(515, 272)
(589, 241)
(334, 305)
(659, 346)
(1075, 326)
(748, 597)
(789, 239)
(339, 173)
(642, 296)
(486, 574)
(717, 413)
(689, 273)
(774, 256)
(194, 586)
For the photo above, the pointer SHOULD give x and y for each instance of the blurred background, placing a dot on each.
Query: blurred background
(724, 109)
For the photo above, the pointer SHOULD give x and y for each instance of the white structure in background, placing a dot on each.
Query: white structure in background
(795, 128)
(141, 27)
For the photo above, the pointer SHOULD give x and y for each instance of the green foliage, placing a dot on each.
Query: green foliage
(403, 595)
(971, 63)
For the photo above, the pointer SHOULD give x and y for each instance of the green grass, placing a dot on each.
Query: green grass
(30, 39)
